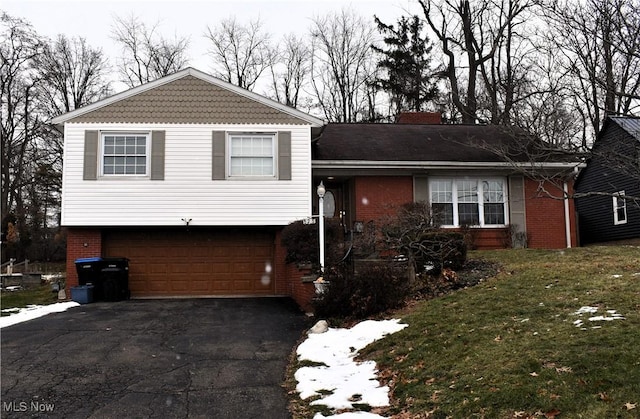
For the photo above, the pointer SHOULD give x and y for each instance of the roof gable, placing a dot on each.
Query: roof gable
(628, 123)
(188, 96)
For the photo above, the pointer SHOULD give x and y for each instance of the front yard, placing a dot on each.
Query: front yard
(553, 334)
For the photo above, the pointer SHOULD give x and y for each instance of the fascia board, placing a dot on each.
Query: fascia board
(366, 164)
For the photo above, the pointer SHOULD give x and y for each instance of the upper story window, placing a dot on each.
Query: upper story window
(252, 155)
(125, 154)
(619, 208)
(469, 201)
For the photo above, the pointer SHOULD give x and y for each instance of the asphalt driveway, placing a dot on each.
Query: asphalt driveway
(199, 358)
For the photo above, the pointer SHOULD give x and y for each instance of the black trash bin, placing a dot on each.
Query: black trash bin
(90, 273)
(109, 276)
(115, 279)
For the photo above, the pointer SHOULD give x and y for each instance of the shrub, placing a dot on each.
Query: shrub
(441, 249)
(414, 234)
(374, 288)
(302, 242)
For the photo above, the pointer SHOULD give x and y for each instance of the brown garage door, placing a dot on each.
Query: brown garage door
(195, 262)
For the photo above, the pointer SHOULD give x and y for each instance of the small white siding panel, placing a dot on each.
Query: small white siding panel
(187, 190)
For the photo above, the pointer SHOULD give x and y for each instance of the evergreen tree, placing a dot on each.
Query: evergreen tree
(407, 64)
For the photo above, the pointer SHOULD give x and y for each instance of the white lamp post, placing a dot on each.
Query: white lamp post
(321, 191)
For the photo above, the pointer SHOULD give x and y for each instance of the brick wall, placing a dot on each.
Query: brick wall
(489, 238)
(289, 278)
(379, 197)
(81, 243)
(546, 218)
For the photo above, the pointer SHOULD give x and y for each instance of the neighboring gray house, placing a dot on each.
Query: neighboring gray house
(611, 178)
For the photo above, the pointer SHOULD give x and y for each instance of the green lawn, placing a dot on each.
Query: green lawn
(38, 295)
(509, 347)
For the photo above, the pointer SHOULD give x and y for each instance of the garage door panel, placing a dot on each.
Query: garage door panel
(180, 286)
(155, 268)
(156, 286)
(195, 262)
(200, 285)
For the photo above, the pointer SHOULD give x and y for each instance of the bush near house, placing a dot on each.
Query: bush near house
(415, 234)
(302, 243)
(379, 274)
(373, 288)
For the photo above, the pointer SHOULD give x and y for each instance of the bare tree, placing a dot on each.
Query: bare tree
(241, 53)
(21, 120)
(482, 40)
(343, 66)
(599, 43)
(76, 74)
(291, 72)
(147, 55)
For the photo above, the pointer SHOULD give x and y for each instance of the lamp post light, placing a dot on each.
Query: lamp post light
(321, 191)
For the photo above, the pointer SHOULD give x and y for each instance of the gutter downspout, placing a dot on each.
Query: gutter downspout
(567, 220)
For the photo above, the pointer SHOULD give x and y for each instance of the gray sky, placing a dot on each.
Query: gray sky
(93, 19)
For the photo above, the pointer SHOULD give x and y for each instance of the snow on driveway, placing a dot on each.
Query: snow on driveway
(33, 312)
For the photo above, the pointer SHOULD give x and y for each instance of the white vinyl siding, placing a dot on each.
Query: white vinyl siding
(469, 201)
(187, 190)
(619, 208)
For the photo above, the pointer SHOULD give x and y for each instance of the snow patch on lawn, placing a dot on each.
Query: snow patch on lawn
(33, 312)
(339, 381)
(609, 316)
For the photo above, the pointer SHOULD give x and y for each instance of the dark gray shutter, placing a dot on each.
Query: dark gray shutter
(157, 155)
(517, 211)
(421, 189)
(218, 156)
(284, 155)
(90, 167)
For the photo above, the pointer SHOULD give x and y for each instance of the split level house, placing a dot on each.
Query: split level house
(193, 180)
(608, 187)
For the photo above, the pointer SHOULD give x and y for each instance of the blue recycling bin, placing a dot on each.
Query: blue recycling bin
(82, 294)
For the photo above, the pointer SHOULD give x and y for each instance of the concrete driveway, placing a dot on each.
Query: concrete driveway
(199, 358)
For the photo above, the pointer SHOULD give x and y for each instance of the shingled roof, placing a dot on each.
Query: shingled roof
(414, 143)
(190, 97)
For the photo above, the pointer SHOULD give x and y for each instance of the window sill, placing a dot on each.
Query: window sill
(493, 226)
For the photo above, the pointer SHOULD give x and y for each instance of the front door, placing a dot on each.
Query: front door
(336, 203)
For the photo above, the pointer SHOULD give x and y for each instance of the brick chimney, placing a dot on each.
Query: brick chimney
(431, 118)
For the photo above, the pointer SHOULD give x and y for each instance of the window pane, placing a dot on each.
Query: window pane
(329, 205)
(494, 213)
(620, 208)
(467, 191)
(492, 191)
(124, 154)
(251, 155)
(442, 213)
(468, 214)
(441, 191)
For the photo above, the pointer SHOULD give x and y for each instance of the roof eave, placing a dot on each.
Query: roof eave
(368, 164)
